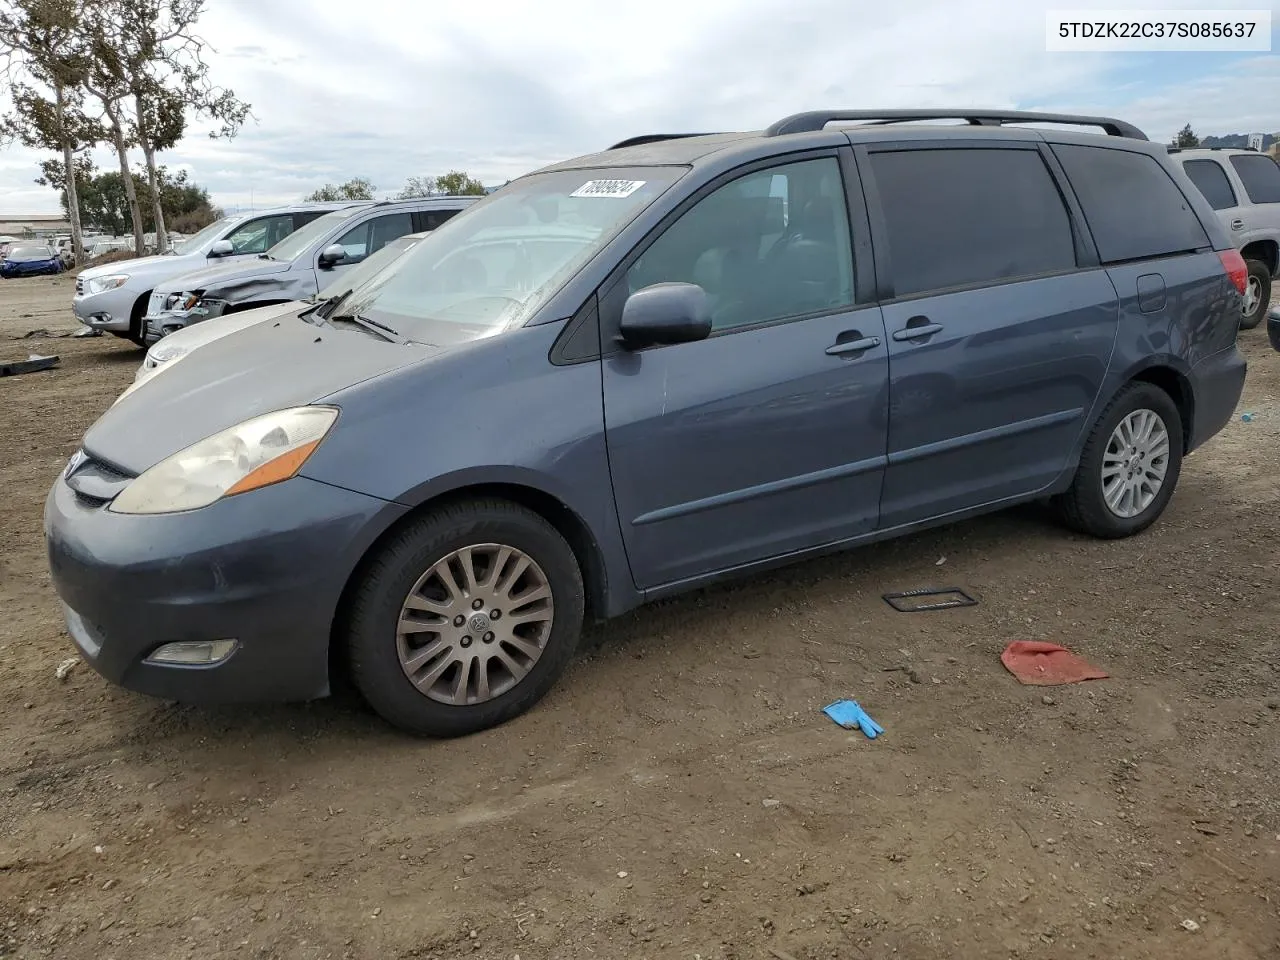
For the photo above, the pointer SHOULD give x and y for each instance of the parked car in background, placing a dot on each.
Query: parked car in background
(296, 267)
(168, 351)
(113, 297)
(1243, 187)
(30, 260)
(639, 372)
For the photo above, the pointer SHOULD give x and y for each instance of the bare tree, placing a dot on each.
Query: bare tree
(147, 55)
(44, 40)
(417, 187)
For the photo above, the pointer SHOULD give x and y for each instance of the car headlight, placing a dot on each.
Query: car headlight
(259, 452)
(164, 352)
(181, 301)
(103, 284)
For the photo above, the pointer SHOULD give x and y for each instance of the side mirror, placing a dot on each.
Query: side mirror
(665, 313)
(221, 248)
(333, 254)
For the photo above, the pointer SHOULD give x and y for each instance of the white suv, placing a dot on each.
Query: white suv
(1243, 186)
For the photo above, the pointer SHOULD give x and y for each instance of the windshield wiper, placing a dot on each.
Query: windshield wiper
(372, 325)
(265, 256)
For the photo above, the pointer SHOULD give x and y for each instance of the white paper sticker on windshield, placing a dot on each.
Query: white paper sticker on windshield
(608, 188)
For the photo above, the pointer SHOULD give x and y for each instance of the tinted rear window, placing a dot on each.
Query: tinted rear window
(1133, 207)
(1260, 176)
(958, 217)
(1211, 180)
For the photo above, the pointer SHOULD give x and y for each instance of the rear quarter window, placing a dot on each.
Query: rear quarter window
(1133, 207)
(1260, 176)
(1211, 180)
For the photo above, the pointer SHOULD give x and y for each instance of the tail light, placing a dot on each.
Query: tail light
(1237, 272)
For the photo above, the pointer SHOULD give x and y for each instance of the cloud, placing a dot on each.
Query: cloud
(388, 90)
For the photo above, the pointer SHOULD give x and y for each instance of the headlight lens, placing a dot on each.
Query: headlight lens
(164, 352)
(253, 454)
(103, 284)
(181, 301)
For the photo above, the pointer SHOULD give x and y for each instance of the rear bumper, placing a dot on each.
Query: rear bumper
(265, 569)
(1217, 383)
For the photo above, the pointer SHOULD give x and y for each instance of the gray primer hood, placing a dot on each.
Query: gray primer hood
(215, 277)
(269, 366)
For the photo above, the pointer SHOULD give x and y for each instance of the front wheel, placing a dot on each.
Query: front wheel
(1257, 294)
(1129, 466)
(465, 618)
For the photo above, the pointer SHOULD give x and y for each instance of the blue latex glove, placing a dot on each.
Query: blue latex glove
(850, 715)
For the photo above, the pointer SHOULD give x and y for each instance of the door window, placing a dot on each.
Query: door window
(372, 235)
(961, 217)
(258, 236)
(1211, 180)
(770, 245)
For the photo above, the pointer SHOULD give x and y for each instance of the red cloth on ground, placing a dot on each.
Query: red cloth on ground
(1047, 664)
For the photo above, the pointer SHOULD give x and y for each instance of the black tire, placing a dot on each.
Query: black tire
(137, 334)
(1261, 275)
(385, 582)
(1083, 506)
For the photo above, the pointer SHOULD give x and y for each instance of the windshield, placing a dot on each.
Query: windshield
(368, 267)
(30, 253)
(203, 238)
(492, 266)
(292, 246)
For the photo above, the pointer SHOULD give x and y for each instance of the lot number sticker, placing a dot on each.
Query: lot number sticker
(608, 188)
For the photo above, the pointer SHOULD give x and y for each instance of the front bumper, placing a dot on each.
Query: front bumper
(108, 311)
(265, 569)
(157, 326)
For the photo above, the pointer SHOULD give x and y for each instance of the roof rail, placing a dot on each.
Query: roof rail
(818, 119)
(655, 138)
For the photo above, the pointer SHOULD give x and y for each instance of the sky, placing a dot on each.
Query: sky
(389, 89)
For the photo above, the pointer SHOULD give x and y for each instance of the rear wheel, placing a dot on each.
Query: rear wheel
(1257, 294)
(465, 618)
(1129, 466)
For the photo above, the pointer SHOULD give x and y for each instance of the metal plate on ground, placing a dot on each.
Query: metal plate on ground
(929, 598)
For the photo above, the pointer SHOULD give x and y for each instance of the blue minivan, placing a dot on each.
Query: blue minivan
(641, 371)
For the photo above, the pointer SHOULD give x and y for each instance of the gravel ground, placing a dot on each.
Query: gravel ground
(680, 793)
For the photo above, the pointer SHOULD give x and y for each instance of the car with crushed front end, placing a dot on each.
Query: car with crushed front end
(642, 371)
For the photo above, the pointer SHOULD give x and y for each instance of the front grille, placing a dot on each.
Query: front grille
(94, 482)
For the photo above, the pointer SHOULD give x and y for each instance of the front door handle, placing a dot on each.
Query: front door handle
(916, 333)
(853, 346)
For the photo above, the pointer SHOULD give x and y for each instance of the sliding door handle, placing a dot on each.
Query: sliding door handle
(916, 333)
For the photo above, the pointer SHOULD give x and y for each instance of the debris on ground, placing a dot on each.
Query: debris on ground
(87, 332)
(1247, 417)
(851, 716)
(33, 363)
(1190, 926)
(65, 667)
(911, 601)
(1043, 664)
(911, 673)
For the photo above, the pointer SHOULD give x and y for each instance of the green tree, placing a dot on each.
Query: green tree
(1186, 139)
(104, 201)
(455, 183)
(357, 188)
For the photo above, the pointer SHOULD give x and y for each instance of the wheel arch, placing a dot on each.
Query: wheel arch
(1177, 384)
(566, 521)
(1266, 252)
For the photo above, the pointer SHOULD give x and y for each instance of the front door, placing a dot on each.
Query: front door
(769, 436)
(1000, 331)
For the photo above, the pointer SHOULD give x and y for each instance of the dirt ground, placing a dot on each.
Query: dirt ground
(680, 794)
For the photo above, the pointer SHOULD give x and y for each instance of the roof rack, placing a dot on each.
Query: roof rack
(818, 119)
(655, 138)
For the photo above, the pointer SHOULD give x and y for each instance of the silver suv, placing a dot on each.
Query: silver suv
(1243, 187)
(113, 297)
(295, 268)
